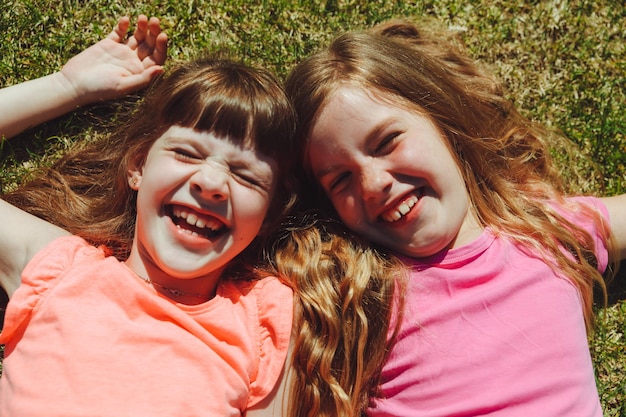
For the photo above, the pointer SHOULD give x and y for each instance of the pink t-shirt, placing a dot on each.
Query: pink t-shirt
(86, 337)
(489, 330)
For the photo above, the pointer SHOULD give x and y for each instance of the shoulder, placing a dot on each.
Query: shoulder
(590, 201)
(63, 252)
(59, 256)
(269, 308)
(586, 212)
(591, 215)
(267, 303)
(22, 236)
(52, 265)
(582, 209)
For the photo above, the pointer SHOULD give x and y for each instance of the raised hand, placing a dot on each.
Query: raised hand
(118, 65)
(111, 68)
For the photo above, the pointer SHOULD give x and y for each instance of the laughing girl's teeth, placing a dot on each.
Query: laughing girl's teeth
(194, 220)
(191, 219)
(402, 209)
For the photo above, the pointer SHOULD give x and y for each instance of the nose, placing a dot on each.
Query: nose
(210, 181)
(375, 181)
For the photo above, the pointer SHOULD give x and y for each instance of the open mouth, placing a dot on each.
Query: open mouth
(402, 208)
(196, 223)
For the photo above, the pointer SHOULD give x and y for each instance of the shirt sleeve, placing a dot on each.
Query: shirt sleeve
(275, 309)
(40, 275)
(599, 232)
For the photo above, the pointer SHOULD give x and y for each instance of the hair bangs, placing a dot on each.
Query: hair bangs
(232, 101)
(210, 111)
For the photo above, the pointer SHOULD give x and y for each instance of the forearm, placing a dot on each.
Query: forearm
(27, 104)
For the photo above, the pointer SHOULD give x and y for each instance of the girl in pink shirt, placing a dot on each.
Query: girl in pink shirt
(416, 149)
(129, 292)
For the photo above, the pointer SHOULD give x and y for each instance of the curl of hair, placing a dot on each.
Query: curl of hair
(345, 293)
(86, 191)
(504, 158)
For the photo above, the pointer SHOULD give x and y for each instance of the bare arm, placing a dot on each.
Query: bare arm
(22, 235)
(109, 69)
(277, 402)
(617, 214)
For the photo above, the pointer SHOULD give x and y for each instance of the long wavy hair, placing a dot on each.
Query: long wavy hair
(86, 191)
(504, 158)
(348, 298)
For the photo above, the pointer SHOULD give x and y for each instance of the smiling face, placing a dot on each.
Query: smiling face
(201, 200)
(389, 175)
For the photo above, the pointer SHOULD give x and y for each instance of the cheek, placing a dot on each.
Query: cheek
(347, 209)
(253, 207)
(160, 173)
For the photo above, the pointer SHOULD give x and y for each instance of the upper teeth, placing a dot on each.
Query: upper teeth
(401, 210)
(194, 220)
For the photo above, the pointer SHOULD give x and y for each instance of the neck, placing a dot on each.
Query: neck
(177, 295)
(189, 291)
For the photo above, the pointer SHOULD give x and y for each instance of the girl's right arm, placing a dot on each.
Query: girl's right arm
(111, 68)
(22, 235)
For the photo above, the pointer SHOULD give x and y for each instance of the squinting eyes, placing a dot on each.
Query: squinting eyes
(337, 181)
(248, 179)
(186, 156)
(386, 142)
(384, 146)
(240, 175)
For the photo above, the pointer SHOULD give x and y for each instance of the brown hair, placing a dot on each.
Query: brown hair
(347, 303)
(86, 191)
(503, 157)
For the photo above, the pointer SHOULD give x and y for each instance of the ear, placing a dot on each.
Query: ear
(135, 171)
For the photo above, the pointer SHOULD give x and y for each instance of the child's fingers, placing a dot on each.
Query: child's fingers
(154, 45)
(160, 51)
(136, 81)
(154, 26)
(140, 32)
(153, 30)
(119, 32)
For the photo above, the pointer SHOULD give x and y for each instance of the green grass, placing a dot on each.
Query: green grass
(563, 62)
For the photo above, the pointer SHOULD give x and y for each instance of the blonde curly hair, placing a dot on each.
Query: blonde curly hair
(347, 307)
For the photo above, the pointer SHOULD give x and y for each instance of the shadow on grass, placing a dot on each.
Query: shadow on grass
(617, 288)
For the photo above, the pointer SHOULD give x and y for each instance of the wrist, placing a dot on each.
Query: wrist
(69, 92)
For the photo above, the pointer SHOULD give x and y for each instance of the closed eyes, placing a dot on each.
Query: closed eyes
(386, 143)
(185, 155)
(241, 174)
(249, 179)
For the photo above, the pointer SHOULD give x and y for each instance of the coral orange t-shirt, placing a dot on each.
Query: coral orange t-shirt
(84, 336)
